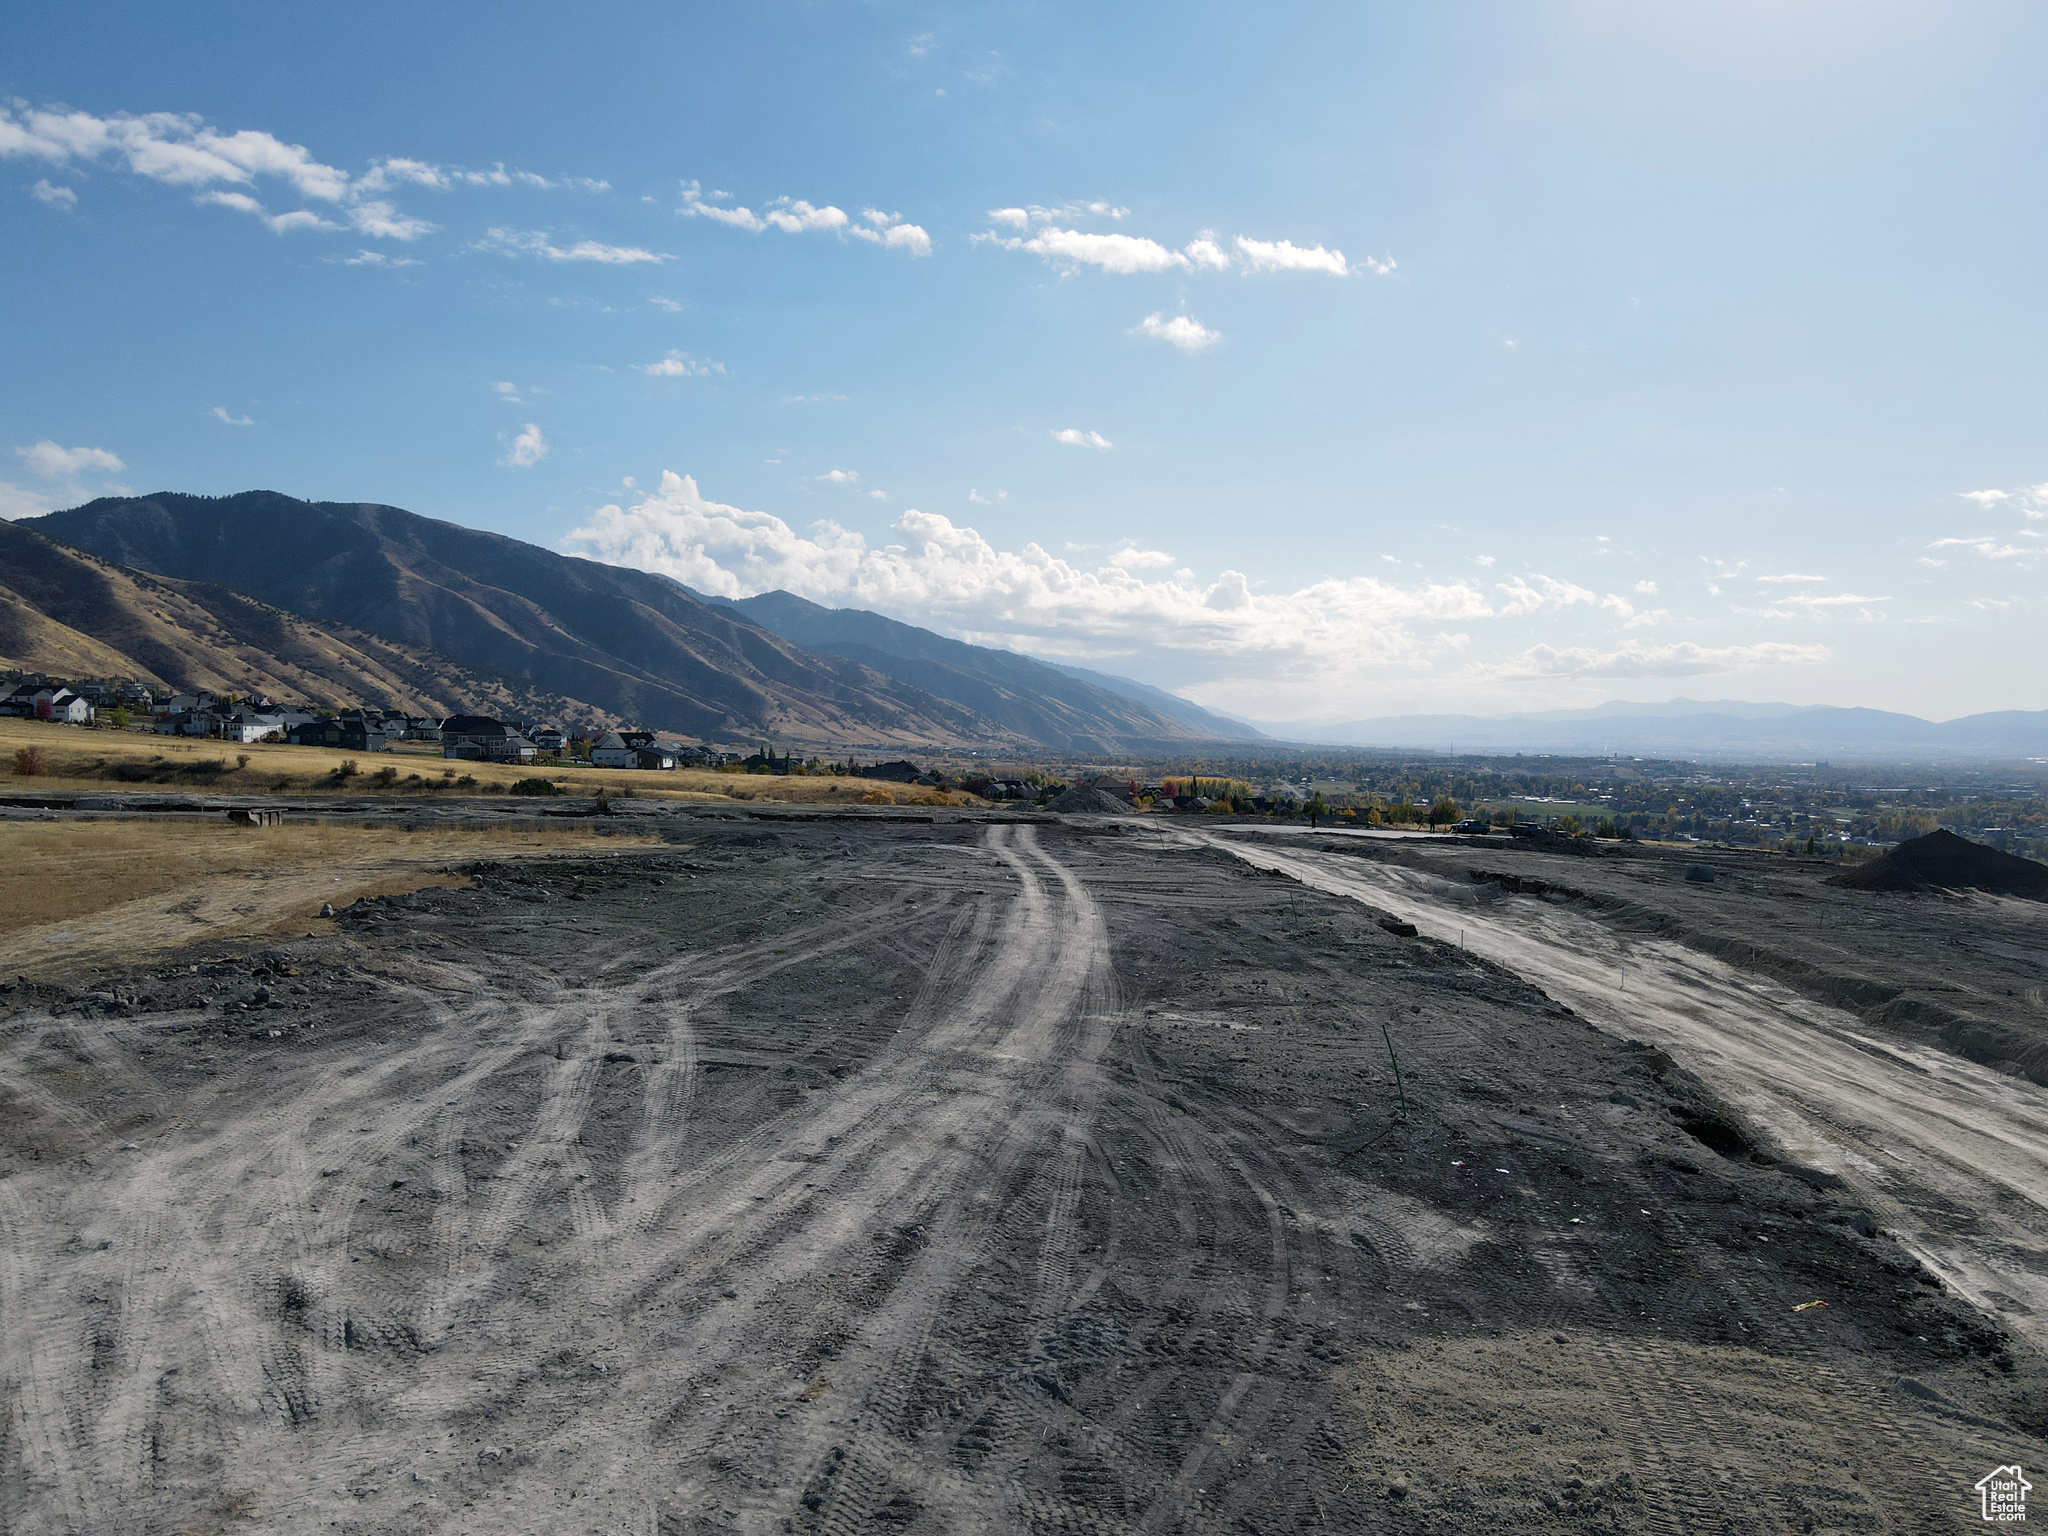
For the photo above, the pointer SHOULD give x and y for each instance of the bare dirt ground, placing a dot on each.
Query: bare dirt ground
(961, 1176)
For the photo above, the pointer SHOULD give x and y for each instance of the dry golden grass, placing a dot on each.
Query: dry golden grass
(97, 892)
(79, 759)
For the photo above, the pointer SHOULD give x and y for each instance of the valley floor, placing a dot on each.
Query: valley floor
(962, 1175)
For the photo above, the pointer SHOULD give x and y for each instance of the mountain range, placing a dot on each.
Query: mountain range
(587, 642)
(1688, 728)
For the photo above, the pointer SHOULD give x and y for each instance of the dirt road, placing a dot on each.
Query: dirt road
(949, 1178)
(1952, 1157)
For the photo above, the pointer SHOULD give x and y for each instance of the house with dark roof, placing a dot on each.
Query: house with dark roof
(479, 738)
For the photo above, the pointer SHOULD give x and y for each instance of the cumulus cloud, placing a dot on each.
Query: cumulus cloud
(1125, 255)
(840, 476)
(1074, 437)
(1133, 558)
(375, 259)
(794, 216)
(56, 197)
(221, 411)
(527, 449)
(889, 231)
(1788, 578)
(1204, 253)
(1286, 256)
(1988, 546)
(54, 461)
(1647, 588)
(680, 365)
(2031, 501)
(1634, 659)
(183, 150)
(17, 501)
(236, 170)
(1181, 331)
(534, 243)
(67, 469)
(1119, 254)
(1034, 213)
(1831, 600)
(1227, 636)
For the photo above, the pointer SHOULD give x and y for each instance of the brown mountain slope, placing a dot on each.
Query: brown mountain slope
(637, 645)
(72, 614)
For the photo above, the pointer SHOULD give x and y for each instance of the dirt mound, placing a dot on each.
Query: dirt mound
(1095, 802)
(1943, 861)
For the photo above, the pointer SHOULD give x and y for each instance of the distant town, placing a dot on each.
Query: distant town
(1810, 810)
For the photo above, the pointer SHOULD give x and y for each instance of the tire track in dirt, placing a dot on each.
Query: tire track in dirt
(1880, 1115)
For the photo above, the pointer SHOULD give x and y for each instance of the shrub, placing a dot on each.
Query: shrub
(346, 768)
(385, 777)
(538, 787)
(29, 762)
(241, 759)
(467, 781)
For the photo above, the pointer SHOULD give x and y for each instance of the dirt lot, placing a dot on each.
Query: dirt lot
(950, 1176)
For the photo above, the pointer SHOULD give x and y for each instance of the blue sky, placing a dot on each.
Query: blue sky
(1366, 360)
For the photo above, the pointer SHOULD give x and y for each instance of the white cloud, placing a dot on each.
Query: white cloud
(534, 243)
(1988, 547)
(1181, 331)
(1225, 637)
(1647, 588)
(1120, 254)
(17, 502)
(1074, 437)
(375, 259)
(1381, 267)
(56, 197)
(810, 399)
(527, 450)
(1285, 256)
(1132, 558)
(1788, 578)
(878, 495)
(1831, 600)
(889, 231)
(794, 216)
(285, 223)
(1203, 252)
(508, 392)
(181, 150)
(241, 202)
(234, 421)
(1634, 659)
(680, 365)
(668, 304)
(1985, 498)
(979, 500)
(53, 461)
(1015, 218)
(840, 476)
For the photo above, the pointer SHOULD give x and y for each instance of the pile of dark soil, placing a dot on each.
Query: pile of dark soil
(1097, 802)
(1943, 861)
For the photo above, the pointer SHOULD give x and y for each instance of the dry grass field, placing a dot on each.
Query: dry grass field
(130, 761)
(105, 892)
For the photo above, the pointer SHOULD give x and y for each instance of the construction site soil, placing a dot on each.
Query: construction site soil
(974, 1175)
